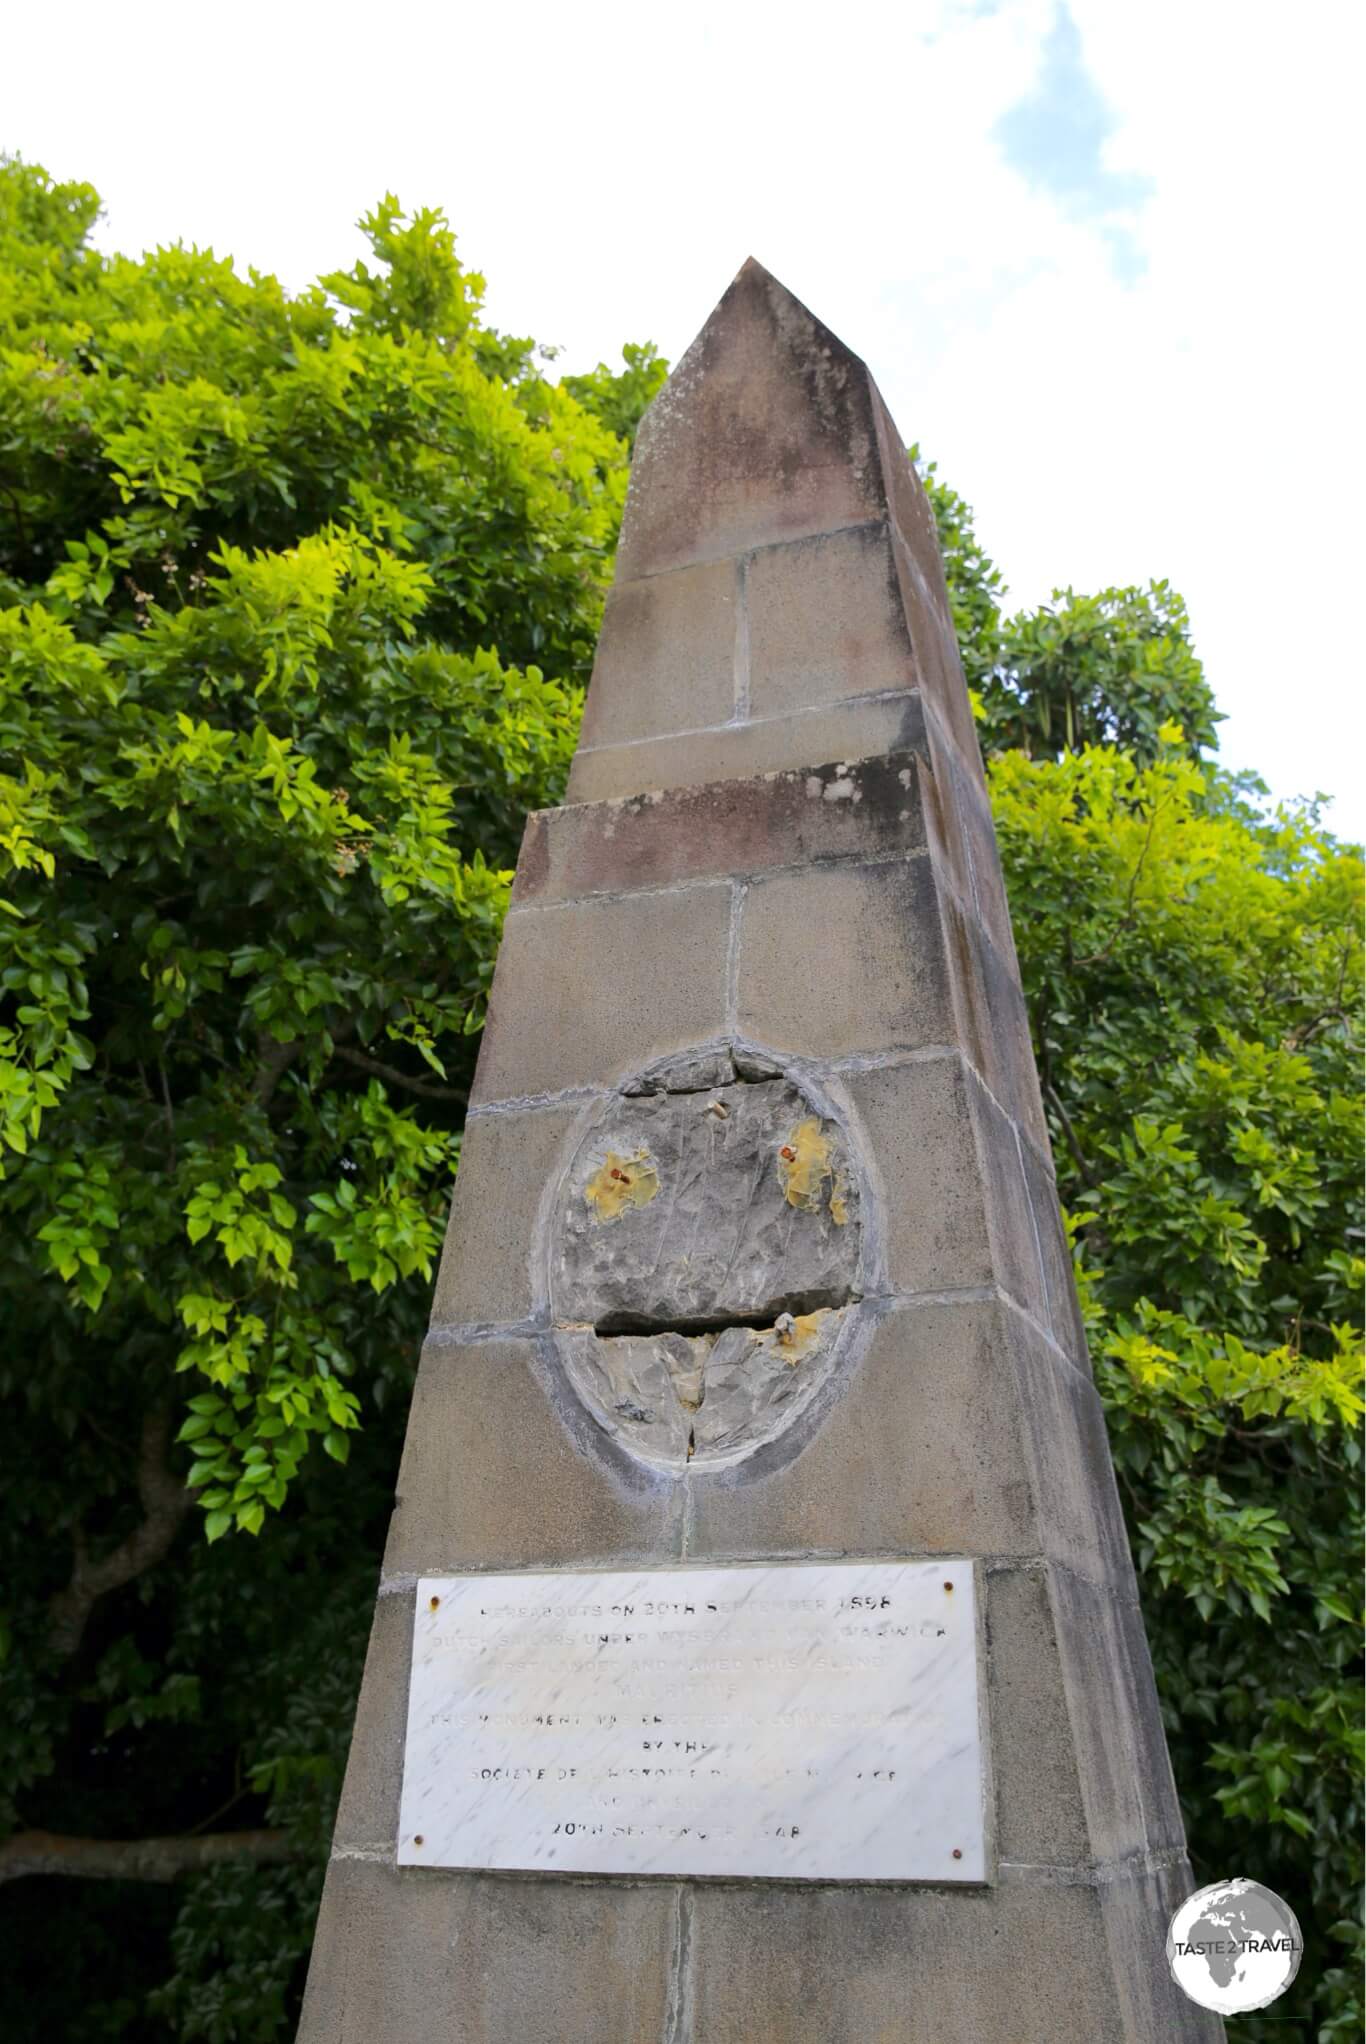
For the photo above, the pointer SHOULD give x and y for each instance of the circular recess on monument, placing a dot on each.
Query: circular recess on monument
(706, 1256)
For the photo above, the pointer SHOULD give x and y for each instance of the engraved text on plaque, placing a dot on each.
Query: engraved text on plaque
(810, 1721)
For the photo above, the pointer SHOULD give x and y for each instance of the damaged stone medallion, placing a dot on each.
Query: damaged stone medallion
(705, 1259)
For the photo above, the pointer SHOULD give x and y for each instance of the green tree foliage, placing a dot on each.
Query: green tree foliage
(1193, 967)
(619, 396)
(1112, 669)
(297, 596)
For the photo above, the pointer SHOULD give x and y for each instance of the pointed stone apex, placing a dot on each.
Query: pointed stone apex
(766, 431)
(778, 557)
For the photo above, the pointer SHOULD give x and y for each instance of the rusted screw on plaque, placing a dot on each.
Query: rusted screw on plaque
(435, 1601)
(418, 1839)
(957, 1850)
(947, 1588)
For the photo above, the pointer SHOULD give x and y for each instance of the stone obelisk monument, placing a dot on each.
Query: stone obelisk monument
(757, 1658)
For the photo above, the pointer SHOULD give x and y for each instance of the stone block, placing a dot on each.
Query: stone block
(924, 593)
(367, 1814)
(992, 1022)
(911, 510)
(943, 832)
(867, 809)
(839, 960)
(920, 1453)
(504, 1469)
(1136, 1913)
(825, 621)
(918, 1133)
(934, 648)
(963, 817)
(1126, 1776)
(1015, 1254)
(1063, 1316)
(471, 1959)
(988, 881)
(1021, 1963)
(505, 1162)
(847, 731)
(577, 997)
(764, 433)
(1080, 1522)
(1040, 1818)
(666, 658)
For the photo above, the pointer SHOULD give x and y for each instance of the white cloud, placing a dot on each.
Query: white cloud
(609, 169)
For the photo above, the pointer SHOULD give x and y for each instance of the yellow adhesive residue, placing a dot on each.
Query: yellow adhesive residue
(796, 1334)
(804, 1165)
(620, 1183)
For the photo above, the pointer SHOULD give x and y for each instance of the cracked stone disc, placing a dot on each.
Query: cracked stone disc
(705, 1259)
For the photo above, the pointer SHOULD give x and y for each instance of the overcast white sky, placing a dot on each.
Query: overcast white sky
(1103, 259)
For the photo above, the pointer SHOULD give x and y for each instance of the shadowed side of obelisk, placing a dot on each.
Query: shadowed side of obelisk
(755, 1256)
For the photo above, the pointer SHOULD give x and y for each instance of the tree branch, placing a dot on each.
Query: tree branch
(1099, 957)
(1077, 1153)
(164, 1501)
(276, 1059)
(423, 1087)
(139, 1859)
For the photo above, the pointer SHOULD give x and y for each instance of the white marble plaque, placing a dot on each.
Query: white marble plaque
(807, 1721)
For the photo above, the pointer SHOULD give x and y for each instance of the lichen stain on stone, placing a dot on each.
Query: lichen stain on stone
(621, 1182)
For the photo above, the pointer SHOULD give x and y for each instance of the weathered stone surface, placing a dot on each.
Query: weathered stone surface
(1080, 1522)
(471, 1959)
(1015, 1254)
(919, 1453)
(1136, 1913)
(689, 1073)
(1063, 1317)
(677, 1400)
(806, 938)
(505, 1160)
(943, 832)
(906, 1966)
(752, 1211)
(918, 1129)
(705, 1244)
(576, 1000)
(991, 1020)
(1070, 1462)
(666, 659)
(367, 1814)
(1040, 1816)
(847, 731)
(764, 432)
(973, 829)
(504, 1468)
(920, 572)
(825, 620)
(841, 810)
(1125, 1773)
